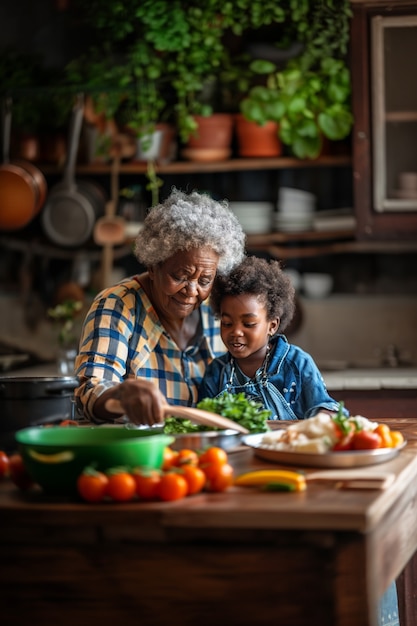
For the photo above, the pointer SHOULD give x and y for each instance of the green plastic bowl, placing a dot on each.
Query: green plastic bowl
(56, 456)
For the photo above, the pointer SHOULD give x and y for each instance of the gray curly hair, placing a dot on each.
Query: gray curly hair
(186, 221)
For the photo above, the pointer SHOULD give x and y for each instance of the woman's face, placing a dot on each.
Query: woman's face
(245, 329)
(182, 282)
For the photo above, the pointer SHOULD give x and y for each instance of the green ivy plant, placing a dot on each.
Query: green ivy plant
(160, 57)
(171, 50)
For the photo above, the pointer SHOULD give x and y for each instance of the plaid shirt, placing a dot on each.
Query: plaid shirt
(123, 336)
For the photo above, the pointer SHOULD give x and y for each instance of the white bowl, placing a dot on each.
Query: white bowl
(317, 285)
(295, 201)
(254, 217)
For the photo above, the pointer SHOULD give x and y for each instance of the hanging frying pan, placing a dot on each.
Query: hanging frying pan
(72, 207)
(23, 187)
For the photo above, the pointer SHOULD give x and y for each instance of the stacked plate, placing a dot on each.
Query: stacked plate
(295, 210)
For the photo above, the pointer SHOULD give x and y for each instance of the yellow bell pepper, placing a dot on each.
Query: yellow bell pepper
(274, 480)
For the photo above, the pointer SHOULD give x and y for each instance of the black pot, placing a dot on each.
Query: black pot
(30, 401)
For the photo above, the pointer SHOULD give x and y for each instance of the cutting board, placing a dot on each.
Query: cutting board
(368, 478)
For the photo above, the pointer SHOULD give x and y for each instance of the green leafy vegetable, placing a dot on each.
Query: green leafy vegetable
(341, 420)
(237, 407)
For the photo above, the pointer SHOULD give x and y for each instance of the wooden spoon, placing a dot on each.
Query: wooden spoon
(187, 412)
(109, 230)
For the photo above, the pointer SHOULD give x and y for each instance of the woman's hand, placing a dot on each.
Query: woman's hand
(140, 399)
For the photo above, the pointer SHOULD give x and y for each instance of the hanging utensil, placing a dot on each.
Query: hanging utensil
(23, 187)
(70, 213)
(193, 414)
(110, 229)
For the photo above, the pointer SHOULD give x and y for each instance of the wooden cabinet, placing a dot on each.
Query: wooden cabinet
(376, 403)
(383, 52)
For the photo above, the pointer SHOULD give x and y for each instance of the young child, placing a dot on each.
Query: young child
(255, 304)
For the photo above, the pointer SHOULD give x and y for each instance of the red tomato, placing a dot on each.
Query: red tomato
(186, 457)
(222, 479)
(18, 472)
(121, 486)
(211, 460)
(173, 486)
(147, 483)
(366, 440)
(92, 485)
(344, 443)
(195, 477)
(4, 464)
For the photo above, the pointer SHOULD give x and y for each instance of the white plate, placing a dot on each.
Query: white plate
(354, 458)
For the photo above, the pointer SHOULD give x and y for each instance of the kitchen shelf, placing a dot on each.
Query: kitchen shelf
(314, 243)
(401, 116)
(37, 247)
(190, 167)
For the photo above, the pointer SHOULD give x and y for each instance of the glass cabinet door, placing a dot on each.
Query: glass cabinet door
(394, 112)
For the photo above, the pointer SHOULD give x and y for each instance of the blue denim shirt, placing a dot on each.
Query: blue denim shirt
(290, 385)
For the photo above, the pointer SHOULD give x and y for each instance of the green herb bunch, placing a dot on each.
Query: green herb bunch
(237, 407)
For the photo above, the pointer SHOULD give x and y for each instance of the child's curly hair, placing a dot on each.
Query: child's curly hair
(262, 278)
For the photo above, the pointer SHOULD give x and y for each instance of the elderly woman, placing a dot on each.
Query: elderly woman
(147, 340)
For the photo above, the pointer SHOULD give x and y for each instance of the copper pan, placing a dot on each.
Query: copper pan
(23, 187)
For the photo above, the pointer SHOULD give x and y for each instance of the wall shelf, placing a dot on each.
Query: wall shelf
(313, 244)
(190, 167)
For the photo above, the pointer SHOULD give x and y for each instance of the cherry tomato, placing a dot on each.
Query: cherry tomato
(170, 456)
(344, 443)
(222, 479)
(186, 457)
(173, 486)
(384, 432)
(18, 472)
(147, 483)
(211, 460)
(195, 477)
(397, 438)
(92, 485)
(366, 440)
(4, 464)
(68, 423)
(121, 486)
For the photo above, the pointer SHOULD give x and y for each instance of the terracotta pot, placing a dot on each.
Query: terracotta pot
(212, 140)
(255, 140)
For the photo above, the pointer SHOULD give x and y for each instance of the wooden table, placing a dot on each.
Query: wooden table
(243, 557)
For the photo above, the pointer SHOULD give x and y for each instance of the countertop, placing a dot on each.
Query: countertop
(333, 553)
(372, 378)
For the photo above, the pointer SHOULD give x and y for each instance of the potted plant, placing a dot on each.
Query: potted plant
(310, 96)
(101, 77)
(168, 52)
(174, 49)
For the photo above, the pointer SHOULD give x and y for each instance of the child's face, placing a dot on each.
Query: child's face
(245, 329)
